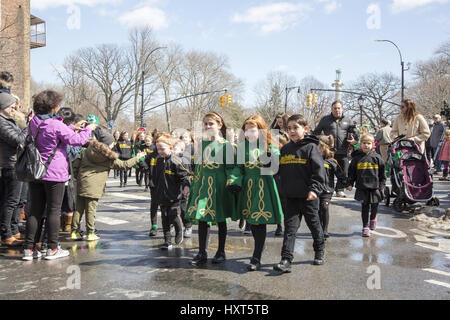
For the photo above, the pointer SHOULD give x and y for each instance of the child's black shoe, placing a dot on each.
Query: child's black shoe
(284, 266)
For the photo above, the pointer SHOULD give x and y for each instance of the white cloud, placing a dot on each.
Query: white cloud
(404, 5)
(330, 5)
(145, 16)
(273, 17)
(46, 4)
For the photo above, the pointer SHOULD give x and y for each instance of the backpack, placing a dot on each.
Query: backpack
(29, 166)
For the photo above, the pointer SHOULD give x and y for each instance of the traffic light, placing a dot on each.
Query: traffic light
(223, 101)
(228, 99)
(314, 100)
(309, 99)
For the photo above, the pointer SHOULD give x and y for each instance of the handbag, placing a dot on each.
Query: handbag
(29, 166)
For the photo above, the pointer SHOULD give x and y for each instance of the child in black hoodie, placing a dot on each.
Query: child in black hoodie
(302, 175)
(332, 169)
(171, 180)
(366, 171)
(124, 148)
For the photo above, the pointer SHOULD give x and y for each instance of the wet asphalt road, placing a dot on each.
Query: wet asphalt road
(401, 260)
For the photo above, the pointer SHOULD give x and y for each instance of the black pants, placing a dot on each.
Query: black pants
(171, 215)
(259, 233)
(203, 235)
(147, 178)
(10, 191)
(153, 208)
(295, 209)
(44, 194)
(342, 161)
(123, 176)
(366, 207)
(186, 222)
(139, 175)
(324, 214)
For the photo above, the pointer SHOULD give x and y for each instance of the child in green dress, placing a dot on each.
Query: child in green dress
(209, 201)
(259, 203)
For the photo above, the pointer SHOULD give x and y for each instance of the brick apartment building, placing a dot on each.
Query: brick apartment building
(19, 33)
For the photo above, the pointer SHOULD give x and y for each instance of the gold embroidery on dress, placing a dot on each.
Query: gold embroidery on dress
(246, 212)
(206, 162)
(194, 207)
(209, 202)
(261, 213)
(255, 163)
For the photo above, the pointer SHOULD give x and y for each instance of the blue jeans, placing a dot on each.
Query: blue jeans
(10, 191)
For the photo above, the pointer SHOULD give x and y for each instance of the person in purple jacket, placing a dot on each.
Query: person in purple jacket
(47, 194)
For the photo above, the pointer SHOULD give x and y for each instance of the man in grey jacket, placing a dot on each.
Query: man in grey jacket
(436, 134)
(344, 134)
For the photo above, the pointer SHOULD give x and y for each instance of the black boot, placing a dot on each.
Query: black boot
(284, 266)
(199, 259)
(279, 230)
(254, 265)
(318, 258)
(219, 257)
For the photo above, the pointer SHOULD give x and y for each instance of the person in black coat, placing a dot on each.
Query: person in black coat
(10, 189)
(124, 148)
(171, 179)
(344, 134)
(332, 169)
(302, 174)
(366, 172)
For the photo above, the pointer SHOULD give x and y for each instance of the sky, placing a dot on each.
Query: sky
(301, 38)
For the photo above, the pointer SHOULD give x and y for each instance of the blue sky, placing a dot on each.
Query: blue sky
(309, 37)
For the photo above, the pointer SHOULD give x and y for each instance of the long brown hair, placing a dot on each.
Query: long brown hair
(326, 142)
(258, 122)
(411, 112)
(283, 116)
(218, 118)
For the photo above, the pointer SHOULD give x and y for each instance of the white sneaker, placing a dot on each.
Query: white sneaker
(57, 253)
(340, 194)
(27, 254)
(37, 254)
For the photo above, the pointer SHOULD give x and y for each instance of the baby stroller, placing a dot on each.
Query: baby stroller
(410, 175)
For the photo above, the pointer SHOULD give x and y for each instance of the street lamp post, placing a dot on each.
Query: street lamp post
(361, 102)
(286, 96)
(402, 63)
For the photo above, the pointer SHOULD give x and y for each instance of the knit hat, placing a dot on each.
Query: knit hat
(103, 136)
(6, 100)
(92, 119)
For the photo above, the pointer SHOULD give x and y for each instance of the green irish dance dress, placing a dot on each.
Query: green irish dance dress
(259, 202)
(209, 200)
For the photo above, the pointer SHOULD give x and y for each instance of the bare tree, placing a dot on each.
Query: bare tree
(143, 49)
(205, 72)
(324, 100)
(432, 81)
(380, 87)
(167, 69)
(110, 68)
(271, 94)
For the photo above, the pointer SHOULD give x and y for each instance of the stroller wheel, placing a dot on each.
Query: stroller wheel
(399, 206)
(387, 196)
(433, 202)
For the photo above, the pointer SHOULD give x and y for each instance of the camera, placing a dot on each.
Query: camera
(351, 131)
(445, 111)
